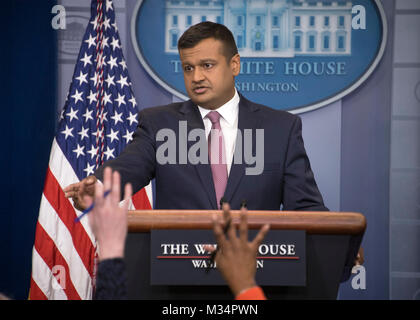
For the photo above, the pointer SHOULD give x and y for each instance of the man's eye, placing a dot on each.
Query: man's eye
(208, 65)
(187, 68)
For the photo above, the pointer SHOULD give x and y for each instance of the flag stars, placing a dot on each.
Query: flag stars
(108, 5)
(93, 151)
(103, 116)
(106, 98)
(89, 169)
(79, 151)
(109, 153)
(120, 99)
(105, 42)
(91, 97)
(94, 79)
(113, 135)
(107, 23)
(88, 115)
(123, 82)
(128, 136)
(86, 60)
(91, 40)
(123, 64)
(117, 117)
(110, 81)
(67, 132)
(100, 60)
(97, 133)
(133, 101)
(82, 78)
(112, 62)
(102, 94)
(77, 96)
(115, 44)
(95, 22)
(132, 118)
(72, 114)
(83, 133)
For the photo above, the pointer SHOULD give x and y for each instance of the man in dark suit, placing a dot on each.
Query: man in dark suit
(256, 153)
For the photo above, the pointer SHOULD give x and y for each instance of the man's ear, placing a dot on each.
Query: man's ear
(235, 64)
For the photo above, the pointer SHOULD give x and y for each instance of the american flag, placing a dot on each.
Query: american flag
(97, 121)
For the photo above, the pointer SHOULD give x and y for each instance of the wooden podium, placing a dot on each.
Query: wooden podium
(332, 242)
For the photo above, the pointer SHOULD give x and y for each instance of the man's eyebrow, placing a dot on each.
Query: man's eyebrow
(200, 62)
(207, 60)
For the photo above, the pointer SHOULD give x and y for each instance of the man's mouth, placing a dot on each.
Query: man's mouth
(200, 90)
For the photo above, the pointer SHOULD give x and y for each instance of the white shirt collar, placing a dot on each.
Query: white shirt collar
(228, 111)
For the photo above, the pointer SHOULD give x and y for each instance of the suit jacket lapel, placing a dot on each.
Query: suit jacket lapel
(246, 120)
(192, 115)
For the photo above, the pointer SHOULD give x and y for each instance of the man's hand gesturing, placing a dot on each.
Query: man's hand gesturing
(82, 192)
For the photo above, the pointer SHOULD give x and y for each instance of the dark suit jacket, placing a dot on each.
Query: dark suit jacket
(287, 178)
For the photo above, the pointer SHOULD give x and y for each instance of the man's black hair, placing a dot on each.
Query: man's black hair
(205, 30)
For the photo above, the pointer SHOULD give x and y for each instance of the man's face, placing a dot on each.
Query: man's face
(209, 77)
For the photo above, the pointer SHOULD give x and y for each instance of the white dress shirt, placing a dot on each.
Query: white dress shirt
(229, 124)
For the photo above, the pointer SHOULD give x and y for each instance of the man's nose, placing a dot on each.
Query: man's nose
(198, 75)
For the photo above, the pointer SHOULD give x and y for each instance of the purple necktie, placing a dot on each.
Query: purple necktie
(217, 155)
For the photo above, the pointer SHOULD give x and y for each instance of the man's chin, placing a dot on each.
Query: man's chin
(202, 101)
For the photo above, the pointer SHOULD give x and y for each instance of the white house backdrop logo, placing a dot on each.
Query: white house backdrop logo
(296, 55)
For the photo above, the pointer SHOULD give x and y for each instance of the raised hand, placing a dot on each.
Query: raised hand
(236, 257)
(108, 219)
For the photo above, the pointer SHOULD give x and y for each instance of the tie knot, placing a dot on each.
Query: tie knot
(214, 116)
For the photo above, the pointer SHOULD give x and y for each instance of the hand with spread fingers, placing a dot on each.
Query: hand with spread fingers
(108, 220)
(81, 192)
(236, 256)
